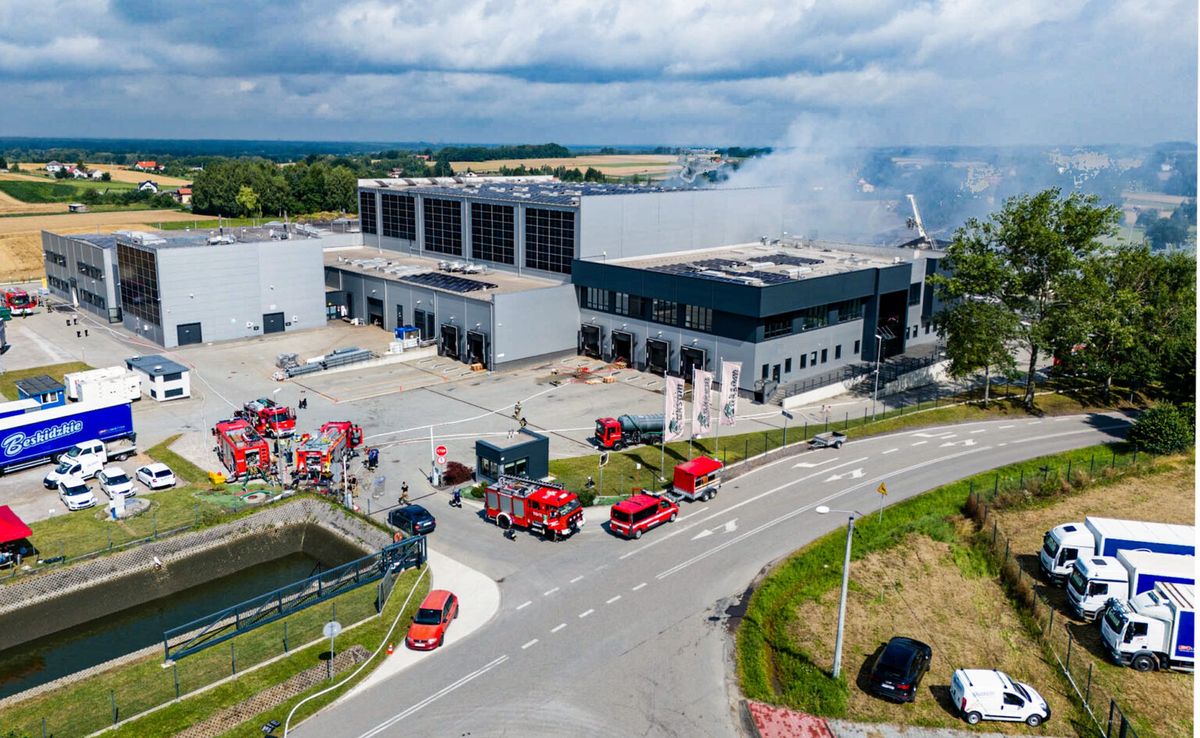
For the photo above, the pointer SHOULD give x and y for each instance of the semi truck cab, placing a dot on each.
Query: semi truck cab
(1061, 546)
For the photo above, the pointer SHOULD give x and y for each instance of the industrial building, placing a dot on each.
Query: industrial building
(177, 288)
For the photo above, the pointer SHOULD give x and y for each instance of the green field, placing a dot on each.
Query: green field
(8, 380)
(56, 190)
(202, 225)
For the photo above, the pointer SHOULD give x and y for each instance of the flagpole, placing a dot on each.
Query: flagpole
(720, 414)
(662, 440)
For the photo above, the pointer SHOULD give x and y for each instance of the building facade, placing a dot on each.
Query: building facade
(82, 270)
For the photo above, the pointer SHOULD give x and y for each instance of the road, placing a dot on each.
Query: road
(602, 636)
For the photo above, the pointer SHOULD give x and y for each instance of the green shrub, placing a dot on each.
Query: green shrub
(1162, 429)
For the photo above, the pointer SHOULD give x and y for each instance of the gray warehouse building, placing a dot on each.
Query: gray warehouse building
(177, 289)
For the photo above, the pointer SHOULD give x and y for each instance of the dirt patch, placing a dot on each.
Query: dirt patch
(10, 205)
(1159, 699)
(919, 589)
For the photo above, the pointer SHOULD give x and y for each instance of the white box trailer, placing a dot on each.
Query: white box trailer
(127, 386)
(74, 379)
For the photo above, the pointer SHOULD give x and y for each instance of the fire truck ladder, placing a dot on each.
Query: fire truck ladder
(524, 486)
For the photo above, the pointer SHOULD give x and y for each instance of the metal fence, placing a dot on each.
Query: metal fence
(1075, 646)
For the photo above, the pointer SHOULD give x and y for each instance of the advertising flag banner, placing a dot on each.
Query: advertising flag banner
(673, 410)
(731, 374)
(702, 423)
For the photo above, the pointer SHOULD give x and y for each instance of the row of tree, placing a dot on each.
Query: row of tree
(1038, 278)
(1165, 233)
(566, 175)
(259, 187)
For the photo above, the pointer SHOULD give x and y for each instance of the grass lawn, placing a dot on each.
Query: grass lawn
(144, 684)
(8, 380)
(778, 663)
(209, 224)
(184, 469)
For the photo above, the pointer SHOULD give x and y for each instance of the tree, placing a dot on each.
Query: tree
(16, 167)
(3, 163)
(1026, 258)
(247, 200)
(341, 190)
(979, 336)
(1162, 429)
(106, 176)
(1166, 232)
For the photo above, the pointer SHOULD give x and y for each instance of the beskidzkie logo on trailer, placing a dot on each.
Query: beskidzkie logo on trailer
(15, 444)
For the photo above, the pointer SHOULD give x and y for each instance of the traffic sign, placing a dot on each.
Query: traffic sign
(440, 451)
(788, 415)
(882, 489)
(332, 629)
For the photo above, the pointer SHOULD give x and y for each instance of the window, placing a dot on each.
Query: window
(178, 391)
(58, 284)
(697, 318)
(857, 345)
(803, 361)
(55, 258)
(139, 283)
(638, 306)
(814, 317)
(549, 239)
(914, 294)
(664, 311)
(848, 310)
(492, 233)
(366, 212)
(837, 351)
(1012, 699)
(173, 377)
(766, 370)
(90, 271)
(824, 355)
(775, 327)
(927, 327)
(443, 226)
(399, 216)
(812, 358)
(787, 365)
(621, 303)
(93, 299)
(595, 298)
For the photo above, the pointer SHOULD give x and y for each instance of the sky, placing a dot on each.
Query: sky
(672, 72)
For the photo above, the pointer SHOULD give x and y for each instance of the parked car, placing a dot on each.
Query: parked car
(156, 476)
(413, 520)
(987, 694)
(75, 494)
(897, 671)
(115, 482)
(428, 629)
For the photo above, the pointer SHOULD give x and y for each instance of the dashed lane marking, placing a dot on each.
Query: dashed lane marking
(549, 592)
(587, 612)
(1005, 427)
(890, 451)
(611, 600)
(527, 645)
(981, 430)
(920, 443)
(558, 627)
(524, 604)
(576, 579)
(643, 584)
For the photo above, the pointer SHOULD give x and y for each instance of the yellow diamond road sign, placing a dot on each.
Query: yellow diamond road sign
(882, 488)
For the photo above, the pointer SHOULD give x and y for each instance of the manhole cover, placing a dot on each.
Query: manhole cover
(255, 498)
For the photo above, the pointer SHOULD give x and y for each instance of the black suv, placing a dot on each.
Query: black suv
(413, 520)
(897, 671)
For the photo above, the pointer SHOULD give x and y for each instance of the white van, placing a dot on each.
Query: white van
(84, 467)
(987, 694)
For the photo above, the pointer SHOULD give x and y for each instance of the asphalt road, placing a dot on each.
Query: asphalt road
(602, 636)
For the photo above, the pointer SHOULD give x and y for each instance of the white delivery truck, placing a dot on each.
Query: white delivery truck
(1097, 579)
(108, 383)
(1154, 630)
(1065, 543)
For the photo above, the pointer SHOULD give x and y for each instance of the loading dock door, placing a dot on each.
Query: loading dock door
(449, 340)
(477, 348)
(691, 357)
(272, 323)
(622, 342)
(188, 333)
(375, 311)
(658, 355)
(589, 341)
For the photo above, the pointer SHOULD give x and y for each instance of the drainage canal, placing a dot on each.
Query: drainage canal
(94, 625)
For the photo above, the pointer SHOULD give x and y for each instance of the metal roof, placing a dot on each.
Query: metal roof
(38, 385)
(543, 193)
(155, 365)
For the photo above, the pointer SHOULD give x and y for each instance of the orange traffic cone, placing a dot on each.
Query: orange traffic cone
(391, 649)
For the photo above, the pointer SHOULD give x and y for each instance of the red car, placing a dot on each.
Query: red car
(428, 628)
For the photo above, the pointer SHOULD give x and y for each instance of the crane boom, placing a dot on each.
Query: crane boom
(916, 221)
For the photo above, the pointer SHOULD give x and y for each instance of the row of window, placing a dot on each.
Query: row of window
(399, 216)
(93, 299)
(58, 284)
(808, 359)
(139, 283)
(443, 226)
(55, 258)
(90, 271)
(667, 312)
(818, 316)
(366, 212)
(493, 233)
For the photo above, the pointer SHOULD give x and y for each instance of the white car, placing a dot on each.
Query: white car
(115, 482)
(987, 694)
(75, 494)
(156, 476)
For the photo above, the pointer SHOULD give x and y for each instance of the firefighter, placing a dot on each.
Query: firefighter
(372, 458)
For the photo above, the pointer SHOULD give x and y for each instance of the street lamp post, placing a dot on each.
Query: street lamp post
(841, 626)
(878, 351)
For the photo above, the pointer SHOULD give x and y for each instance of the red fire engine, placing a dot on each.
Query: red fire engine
(547, 509)
(317, 455)
(20, 302)
(269, 418)
(240, 448)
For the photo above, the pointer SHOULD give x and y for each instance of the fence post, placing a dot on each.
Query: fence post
(1070, 640)
(1021, 484)
(1087, 693)
(196, 515)
(1135, 455)
(1050, 623)
(175, 672)
(285, 638)
(864, 415)
(1111, 704)
(232, 659)
(1006, 544)
(109, 532)
(1114, 460)
(43, 727)
(806, 429)
(846, 422)
(994, 532)
(766, 441)
(996, 485)
(112, 696)
(154, 521)
(747, 452)
(1069, 471)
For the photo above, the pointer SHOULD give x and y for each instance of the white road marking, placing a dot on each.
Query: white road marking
(890, 451)
(602, 566)
(611, 600)
(729, 527)
(920, 443)
(693, 514)
(1059, 435)
(585, 613)
(1033, 422)
(981, 430)
(963, 442)
(433, 697)
(549, 592)
(527, 645)
(524, 604)
(1002, 444)
(731, 508)
(643, 584)
(857, 473)
(828, 498)
(923, 434)
(558, 627)
(808, 465)
(1005, 427)
(576, 579)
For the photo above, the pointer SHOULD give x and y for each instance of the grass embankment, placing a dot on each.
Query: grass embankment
(144, 684)
(56, 190)
(184, 469)
(8, 380)
(622, 474)
(778, 663)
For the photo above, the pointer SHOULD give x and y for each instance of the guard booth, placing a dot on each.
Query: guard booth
(46, 390)
(526, 454)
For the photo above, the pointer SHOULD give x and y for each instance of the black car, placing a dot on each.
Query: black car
(898, 669)
(412, 519)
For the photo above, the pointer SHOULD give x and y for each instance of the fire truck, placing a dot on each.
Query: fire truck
(550, 510)
(20, 302)
(316, 456)
(628, 430)
(241, 449)
(269, 418)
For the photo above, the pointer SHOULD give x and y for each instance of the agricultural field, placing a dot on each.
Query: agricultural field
(119, 174)
(615, 164)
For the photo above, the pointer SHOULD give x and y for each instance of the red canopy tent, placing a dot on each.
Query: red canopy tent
(12, 528)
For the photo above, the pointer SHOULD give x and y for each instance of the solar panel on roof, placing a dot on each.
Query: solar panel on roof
(795, 260)
(447, 282)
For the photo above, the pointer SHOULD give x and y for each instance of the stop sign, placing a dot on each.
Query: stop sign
(440, 451)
